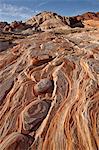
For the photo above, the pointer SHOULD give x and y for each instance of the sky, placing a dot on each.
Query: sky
(11, 10)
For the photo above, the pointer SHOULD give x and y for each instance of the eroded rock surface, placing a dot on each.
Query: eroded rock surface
(49, 92)
(43, 86)
(49, 20)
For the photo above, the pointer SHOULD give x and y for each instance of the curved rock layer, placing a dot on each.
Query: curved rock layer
(49, 92)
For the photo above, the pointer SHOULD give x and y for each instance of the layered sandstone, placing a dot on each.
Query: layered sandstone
(48, 20)
(49, 91)
(13, 26)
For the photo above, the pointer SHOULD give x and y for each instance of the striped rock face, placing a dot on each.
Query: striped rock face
(49, 94)
(34, 115)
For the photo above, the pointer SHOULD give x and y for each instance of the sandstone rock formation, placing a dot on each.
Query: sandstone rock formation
(49, 91)
(2, 25)
(14, 26)
(90, 19)
(48, 20)
(44, 86)
(4, 45)
(88, 16)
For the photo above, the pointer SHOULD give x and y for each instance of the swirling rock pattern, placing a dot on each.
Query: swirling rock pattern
(49, 92)
(34, 114)
(16, 141)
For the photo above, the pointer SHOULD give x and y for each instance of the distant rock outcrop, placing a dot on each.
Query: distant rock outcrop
(73, 22)
(15, 26)
(46, 20)
(49, 20)
(88, 16)
(2, 25)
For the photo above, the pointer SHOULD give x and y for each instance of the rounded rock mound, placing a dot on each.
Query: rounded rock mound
(43, 86)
